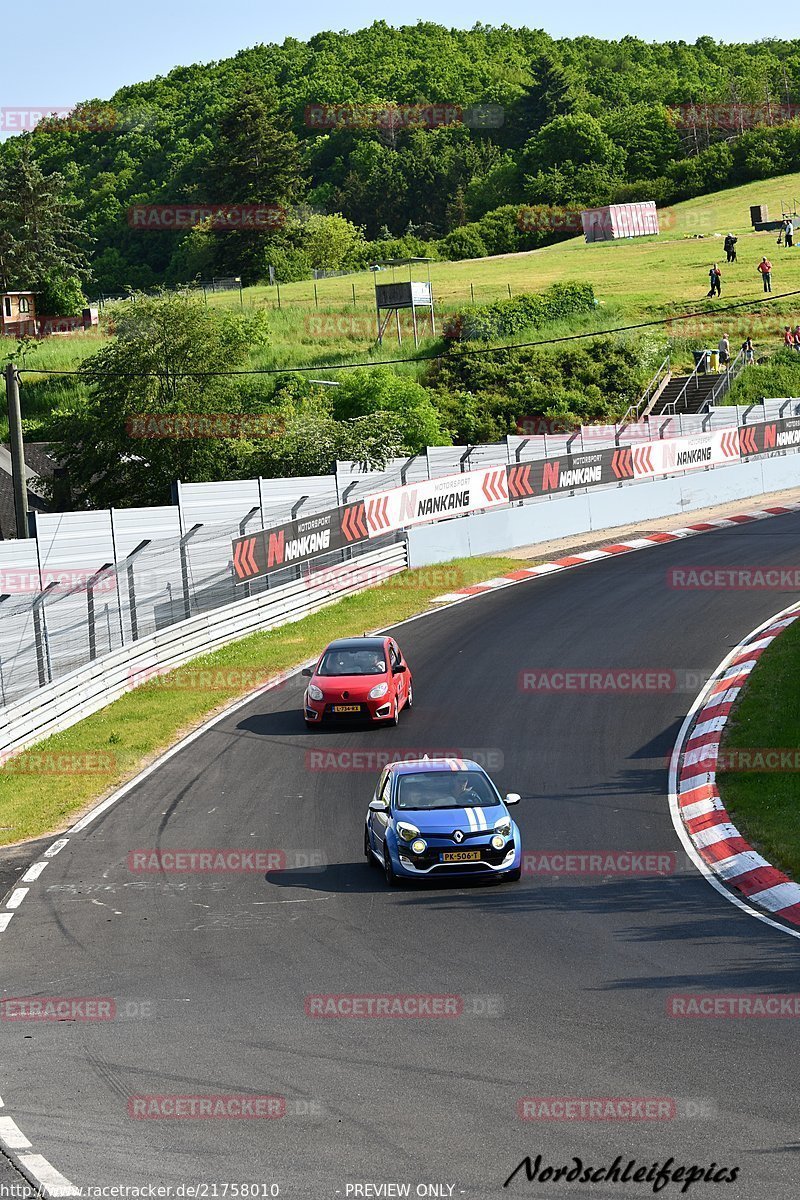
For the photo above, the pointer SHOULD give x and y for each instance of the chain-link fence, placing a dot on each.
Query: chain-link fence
(57, 618)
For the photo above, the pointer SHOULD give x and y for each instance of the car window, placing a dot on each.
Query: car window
(383, 794)
(360, 660)
(446, 789)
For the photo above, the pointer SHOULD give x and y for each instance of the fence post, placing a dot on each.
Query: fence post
(134, 616)
(17, 447)
(90, 611)
(187, 604)
(354, 295)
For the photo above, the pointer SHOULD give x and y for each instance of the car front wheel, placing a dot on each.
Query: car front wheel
(370, 857)
(514, 876)
(388, 869)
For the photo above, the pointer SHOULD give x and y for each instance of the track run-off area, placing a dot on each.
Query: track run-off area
(568, 986)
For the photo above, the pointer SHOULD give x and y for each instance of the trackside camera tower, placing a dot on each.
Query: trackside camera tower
(392, 297)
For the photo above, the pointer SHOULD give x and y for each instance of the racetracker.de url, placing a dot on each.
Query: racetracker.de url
(147, 1191)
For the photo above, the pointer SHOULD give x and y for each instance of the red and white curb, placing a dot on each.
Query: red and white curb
(578, 560)
(709, 835)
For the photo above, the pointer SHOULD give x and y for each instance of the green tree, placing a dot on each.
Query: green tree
(119, 444)
(255, 160)
(381, 390)
(39, 236)
(331, 241)
(553, 93)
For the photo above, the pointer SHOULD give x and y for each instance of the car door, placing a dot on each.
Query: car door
(380, 820)
(398, 682)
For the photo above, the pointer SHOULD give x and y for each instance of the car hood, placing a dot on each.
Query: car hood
(447, 820)
(356, 685)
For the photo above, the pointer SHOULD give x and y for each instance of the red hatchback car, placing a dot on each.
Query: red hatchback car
(358, 677)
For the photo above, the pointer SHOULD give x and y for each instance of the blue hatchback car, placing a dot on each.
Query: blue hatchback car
(441, 817)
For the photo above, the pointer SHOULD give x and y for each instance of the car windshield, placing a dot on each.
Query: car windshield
(445, 789)
(356, 661)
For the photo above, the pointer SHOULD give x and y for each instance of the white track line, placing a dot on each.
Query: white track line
(33, 872)
(45, 1174)
(16, 897)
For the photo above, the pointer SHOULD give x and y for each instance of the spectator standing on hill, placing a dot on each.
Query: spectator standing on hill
(724, 350)
(765, 267)
(797, 337)
(788, 338)
(749, 352)
(788, 231)
(715, 280)
(729, 246)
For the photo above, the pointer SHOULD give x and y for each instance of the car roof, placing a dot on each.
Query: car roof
(362, 643)
(441, 765)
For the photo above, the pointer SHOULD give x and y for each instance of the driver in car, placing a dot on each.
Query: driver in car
(465, 795)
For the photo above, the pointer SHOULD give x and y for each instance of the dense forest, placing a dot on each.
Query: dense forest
(418, 139)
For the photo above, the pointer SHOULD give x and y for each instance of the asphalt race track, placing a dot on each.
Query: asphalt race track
(564, 981)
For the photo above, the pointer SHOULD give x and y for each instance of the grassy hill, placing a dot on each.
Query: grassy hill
(639, 279)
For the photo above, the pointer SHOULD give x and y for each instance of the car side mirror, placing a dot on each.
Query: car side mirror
(400, 669)
(513, 798)
(376, 805)
(307, 671)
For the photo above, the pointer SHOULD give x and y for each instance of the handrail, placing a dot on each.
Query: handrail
(635, 409)
(695, 376)
(723, 386)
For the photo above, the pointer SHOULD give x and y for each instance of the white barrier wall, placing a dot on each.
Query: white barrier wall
(563, 516)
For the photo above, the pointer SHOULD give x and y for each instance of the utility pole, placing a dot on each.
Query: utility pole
(18, 472)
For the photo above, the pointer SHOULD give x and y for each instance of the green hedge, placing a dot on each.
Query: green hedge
(506, 318)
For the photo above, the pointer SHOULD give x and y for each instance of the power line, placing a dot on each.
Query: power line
(390, 362)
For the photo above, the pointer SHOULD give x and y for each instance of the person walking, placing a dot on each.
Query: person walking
(748, 351)
(765, 267)
(729, 246)
(715, 280)
(724, 350)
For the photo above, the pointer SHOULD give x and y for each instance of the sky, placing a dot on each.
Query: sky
(69, 52)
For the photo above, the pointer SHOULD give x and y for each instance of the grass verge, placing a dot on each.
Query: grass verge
(45, 786)
(766, 804)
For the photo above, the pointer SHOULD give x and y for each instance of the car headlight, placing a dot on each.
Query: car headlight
(498, 841)
(419, 845)
(503, 825)
(407, 832)
(314, 693)
(379, 690)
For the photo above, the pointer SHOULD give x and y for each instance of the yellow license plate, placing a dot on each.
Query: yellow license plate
(347, 708)
(454, 856)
